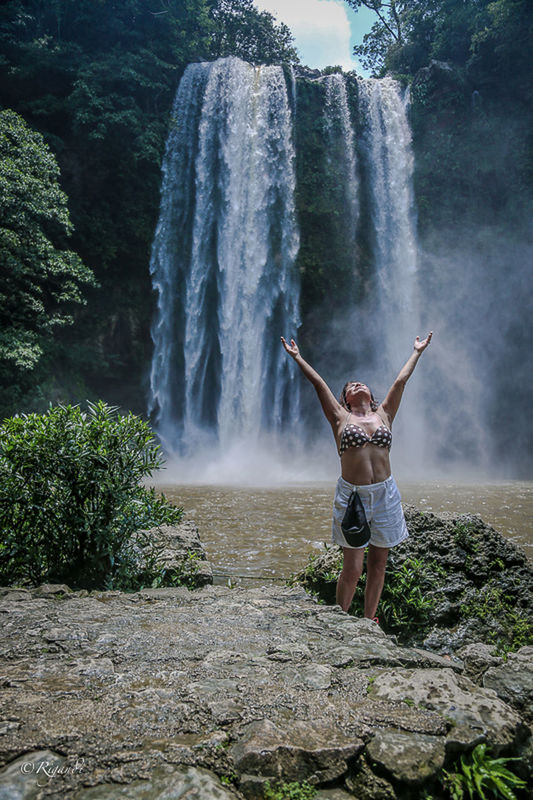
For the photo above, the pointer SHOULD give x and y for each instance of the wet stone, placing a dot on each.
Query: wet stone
(22, 778)
(260, 683)
(65, 635)
(477, 658)
(340, 657)
(333, 794)
(212, 687)
(364, 784)
(316, 752)
(190, 783)
(513, 681)
(456, 698)
(225, 711)
(407, 757)
(14, 595)
(52, 590)
(289, 652)
(316, 676)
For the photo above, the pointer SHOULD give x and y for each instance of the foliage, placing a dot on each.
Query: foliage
(465, 536)
(228, 780)
(492, 37)
(41, 279)
(407, 600)
(317, 578)
(70, 496)
(241, 30)
(289, 791)
(509, 627)
(500, 48)
(478, 773)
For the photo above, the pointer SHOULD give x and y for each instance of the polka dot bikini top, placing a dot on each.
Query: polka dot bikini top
(354, 436)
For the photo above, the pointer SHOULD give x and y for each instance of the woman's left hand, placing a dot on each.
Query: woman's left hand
(421, 345)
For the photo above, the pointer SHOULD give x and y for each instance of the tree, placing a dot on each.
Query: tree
(501, 49)
(386, 33)
(243, 31)
(41, 279)
(408, 33)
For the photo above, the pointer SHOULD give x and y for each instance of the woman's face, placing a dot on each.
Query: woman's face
(356, 390)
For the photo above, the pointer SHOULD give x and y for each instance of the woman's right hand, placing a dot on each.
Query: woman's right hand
(292, 348)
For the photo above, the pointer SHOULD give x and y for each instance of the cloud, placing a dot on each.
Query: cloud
(321, 29)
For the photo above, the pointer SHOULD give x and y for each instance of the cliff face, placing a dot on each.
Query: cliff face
(214, 692)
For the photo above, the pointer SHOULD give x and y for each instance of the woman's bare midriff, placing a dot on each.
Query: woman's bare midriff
(364, 465)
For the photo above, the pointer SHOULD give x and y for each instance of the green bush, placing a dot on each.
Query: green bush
(70, 494)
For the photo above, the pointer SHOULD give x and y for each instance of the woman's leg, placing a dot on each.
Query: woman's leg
(352, 568)
(375, 577)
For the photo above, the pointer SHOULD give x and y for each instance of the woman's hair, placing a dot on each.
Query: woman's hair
(342, 399)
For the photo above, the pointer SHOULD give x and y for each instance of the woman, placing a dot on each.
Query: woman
(362, 431)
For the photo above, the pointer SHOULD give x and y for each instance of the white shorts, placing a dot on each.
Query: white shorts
(383, 509)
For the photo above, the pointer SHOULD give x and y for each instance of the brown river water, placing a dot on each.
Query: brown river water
(265, 534)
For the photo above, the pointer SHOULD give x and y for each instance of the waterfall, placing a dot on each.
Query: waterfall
(223, 260)
(389, 163)
(339, 131)
(224, 253)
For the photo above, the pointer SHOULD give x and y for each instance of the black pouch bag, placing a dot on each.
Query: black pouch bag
(354, 526)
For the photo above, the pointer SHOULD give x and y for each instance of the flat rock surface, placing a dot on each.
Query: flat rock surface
(132, 689)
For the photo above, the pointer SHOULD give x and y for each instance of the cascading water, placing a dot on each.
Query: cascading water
(339, 128)
(393, 305)
(389, 163)
(223, 260)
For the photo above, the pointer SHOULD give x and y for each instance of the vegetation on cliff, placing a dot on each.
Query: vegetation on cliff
(42, 278)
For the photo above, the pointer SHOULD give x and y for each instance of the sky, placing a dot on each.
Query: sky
(325, 31)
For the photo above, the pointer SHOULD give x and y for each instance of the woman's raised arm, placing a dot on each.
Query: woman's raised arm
(392, 401)
(330, 405)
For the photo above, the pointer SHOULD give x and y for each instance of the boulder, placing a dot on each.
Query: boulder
(173, 551)
(512, 681)
(315, 752)
(474, 710)
(189, 783)
(479, 583)
(406, 757)
(364, 784)
(23, 777)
